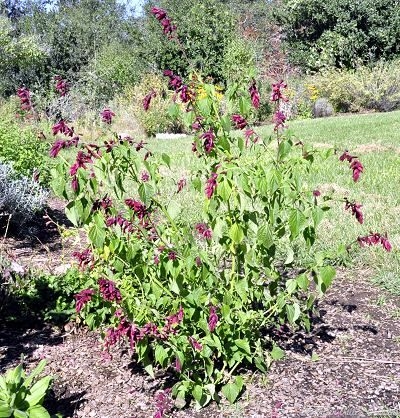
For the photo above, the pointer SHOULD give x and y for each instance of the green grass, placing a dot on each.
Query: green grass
(375, 138)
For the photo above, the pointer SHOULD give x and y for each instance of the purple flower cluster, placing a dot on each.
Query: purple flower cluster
(213, 318)
(195, 344)
(162, 17)
(355, 210)
(208, 138)
(211, 185)
(203, 230)
(279, 119)
(80, 162)
(181, 184)
(85, 257)
(82, 298)
(60, 144)
(276, 94)
(176, 83)
(375, 239)
(239, 121)
(147, 99)
(107, 115)
(355, 164)
(254, 94)
(25, 98)
(61, 85)
(109, 291)
(105, 203)
(138, 207)
(171, 322)
(62, 128)
(126, 226)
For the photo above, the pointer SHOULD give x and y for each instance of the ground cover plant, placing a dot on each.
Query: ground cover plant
(199, 297)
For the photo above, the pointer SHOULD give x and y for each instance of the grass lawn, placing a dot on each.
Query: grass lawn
(375, 139)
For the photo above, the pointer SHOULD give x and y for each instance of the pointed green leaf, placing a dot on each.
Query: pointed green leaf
(38, 411)
(232, 390)
(236, 233)
(38, 391)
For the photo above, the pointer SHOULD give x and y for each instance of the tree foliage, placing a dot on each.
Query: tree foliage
(340, 33)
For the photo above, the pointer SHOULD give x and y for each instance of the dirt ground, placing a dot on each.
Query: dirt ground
(348, 365)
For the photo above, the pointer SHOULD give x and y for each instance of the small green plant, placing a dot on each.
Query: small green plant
(22, 395)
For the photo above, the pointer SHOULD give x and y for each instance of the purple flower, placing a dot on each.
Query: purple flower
(276, 94)
(138, 207)
(208, 137)
(109, 291)
(25, 98)
(181, 184)
(186, 94)
(213, 319)
(158, 13)
(63, 128)
(61, 85)
(145, 176)
(125, 225)
(85, 257)
(374, 239)
(203, 230)
(254, 94)
(60, 144)
(105, 203)
(316, 193)
(239, 121)
(81, 160)
(82, 298)
(355, 210)
(172, 255)
(147, 100)
(168, 27)
(279, 119)
(107, 115)
(195, 344)
(355, 164)
(174, 80)
(211, 185)
(198, 261)
(74, 183)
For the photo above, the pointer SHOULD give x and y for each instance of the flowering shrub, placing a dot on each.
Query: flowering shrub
(200, 298)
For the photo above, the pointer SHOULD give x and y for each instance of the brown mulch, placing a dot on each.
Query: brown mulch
(348, 365)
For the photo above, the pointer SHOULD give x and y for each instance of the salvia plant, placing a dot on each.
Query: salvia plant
(22, 395)
(199, 298)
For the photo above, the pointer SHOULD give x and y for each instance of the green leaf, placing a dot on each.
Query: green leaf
(224, 190)
(291, 285)
(161, 355)
(14, 376)
(38, 391)
(327, 273)
(236, 233)
(167, 159)
(20, 414)
(232, 390)
(35, 372)
(277, 353)
(38, 411)
(150, 371)
(174, 111)
(97, 235)
(243, 345)
(146, 192)
(174, 209)
(303, 281)
(5, 411)
(264, 236)
(293, 312)
(296, 221)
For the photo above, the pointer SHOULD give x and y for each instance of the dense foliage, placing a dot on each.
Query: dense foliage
(339, 33)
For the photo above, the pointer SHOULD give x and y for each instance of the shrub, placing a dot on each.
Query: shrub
(23, 147)
(202, 298)
(20, 198)
(366, 88)
(157, 119)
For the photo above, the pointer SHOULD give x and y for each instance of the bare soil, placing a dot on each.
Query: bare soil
(348, 365)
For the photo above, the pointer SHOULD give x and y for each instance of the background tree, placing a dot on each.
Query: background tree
(339, 33)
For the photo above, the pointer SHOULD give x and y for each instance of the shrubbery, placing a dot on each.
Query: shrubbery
(20, 198)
